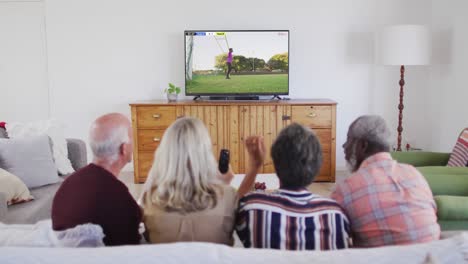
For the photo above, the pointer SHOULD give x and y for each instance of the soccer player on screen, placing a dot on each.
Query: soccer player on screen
(229, 64)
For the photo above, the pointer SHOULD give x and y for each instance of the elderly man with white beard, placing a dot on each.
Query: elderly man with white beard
(388, 203)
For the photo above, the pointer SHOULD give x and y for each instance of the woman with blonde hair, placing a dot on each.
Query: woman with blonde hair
(185, 197)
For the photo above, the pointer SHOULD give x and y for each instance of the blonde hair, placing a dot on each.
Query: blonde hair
(183, 175)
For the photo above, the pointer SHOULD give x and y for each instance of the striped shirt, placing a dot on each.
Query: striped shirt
(294, 220)
(388, 203)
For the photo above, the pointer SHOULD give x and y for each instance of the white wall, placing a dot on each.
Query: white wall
(23, 62)
(447, 108)
(105, 54)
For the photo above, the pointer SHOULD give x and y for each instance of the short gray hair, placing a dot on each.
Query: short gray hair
(109, 146)
(297, 156)
(373, 129)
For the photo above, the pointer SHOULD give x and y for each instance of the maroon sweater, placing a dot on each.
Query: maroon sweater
(94, 195)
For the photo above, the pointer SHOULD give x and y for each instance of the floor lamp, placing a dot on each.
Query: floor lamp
(404, 45)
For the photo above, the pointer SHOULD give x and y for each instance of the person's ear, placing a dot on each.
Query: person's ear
(361, 149)
(122, 149)
(364, 145)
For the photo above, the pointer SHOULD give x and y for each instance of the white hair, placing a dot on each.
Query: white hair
(184, 173)
(373, 129)
(109, 146)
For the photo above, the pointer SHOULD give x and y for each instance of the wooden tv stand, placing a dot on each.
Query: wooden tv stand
(229, 123)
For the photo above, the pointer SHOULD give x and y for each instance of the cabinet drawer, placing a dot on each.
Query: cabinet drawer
(149, 140)
(145, 161)
(312, 116)
(158, 117)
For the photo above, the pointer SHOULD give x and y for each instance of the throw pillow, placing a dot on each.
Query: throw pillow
(459, 156)
(51, 128)
(30, 159)
(13, 188)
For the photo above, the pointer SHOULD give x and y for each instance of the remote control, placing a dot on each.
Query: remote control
(223, 161)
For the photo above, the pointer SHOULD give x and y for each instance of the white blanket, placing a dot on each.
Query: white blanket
(453, 251)
(41, 234)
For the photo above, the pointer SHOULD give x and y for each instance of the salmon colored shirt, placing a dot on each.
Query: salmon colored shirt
(388, 204)
(213, 225)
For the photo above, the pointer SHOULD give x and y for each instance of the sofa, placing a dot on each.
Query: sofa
(449, 186)
(451, 250)
(40, 208)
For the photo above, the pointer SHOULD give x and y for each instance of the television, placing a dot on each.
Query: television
(236, 62)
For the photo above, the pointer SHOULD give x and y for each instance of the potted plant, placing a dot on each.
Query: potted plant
(172, 92)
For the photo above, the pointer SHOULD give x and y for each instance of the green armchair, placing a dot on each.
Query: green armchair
(449, 186)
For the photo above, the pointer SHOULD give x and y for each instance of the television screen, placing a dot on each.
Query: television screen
(237, 62)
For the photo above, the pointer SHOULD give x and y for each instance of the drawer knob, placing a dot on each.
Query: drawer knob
(312, 114)
(156, 116)
(156, 139)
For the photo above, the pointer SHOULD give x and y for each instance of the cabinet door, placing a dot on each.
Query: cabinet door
(325, 137)
(266, 121)
(222, 125)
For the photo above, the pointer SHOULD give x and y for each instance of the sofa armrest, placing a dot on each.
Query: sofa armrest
(421, 158)
(77, 153)
(3, 206)
(452, 208)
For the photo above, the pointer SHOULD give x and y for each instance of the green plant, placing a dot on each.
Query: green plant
(172, 89)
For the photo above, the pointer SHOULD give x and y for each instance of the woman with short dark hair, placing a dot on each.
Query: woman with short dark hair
(292, 217)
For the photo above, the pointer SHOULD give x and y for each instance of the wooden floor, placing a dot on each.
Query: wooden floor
(320, 188)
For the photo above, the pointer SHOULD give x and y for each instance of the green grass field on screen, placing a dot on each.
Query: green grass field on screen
(218, 84)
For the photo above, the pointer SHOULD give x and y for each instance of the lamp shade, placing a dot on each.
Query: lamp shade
(405, 45)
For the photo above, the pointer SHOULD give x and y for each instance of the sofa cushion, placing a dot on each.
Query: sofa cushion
(451, 225)
(34, 211)
(3, 206)
(421, 158)
(14, 189)
(452, 250)
(445, 180)
(30, 159)
(51, 128)
(459, 156)
(452, 207)
(3, 133)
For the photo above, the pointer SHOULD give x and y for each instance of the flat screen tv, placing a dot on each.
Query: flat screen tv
(236, 62)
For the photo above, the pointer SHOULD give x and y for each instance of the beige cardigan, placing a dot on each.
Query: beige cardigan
(210, 225)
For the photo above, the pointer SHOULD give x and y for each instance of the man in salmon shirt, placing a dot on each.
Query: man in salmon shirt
(387, 203)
